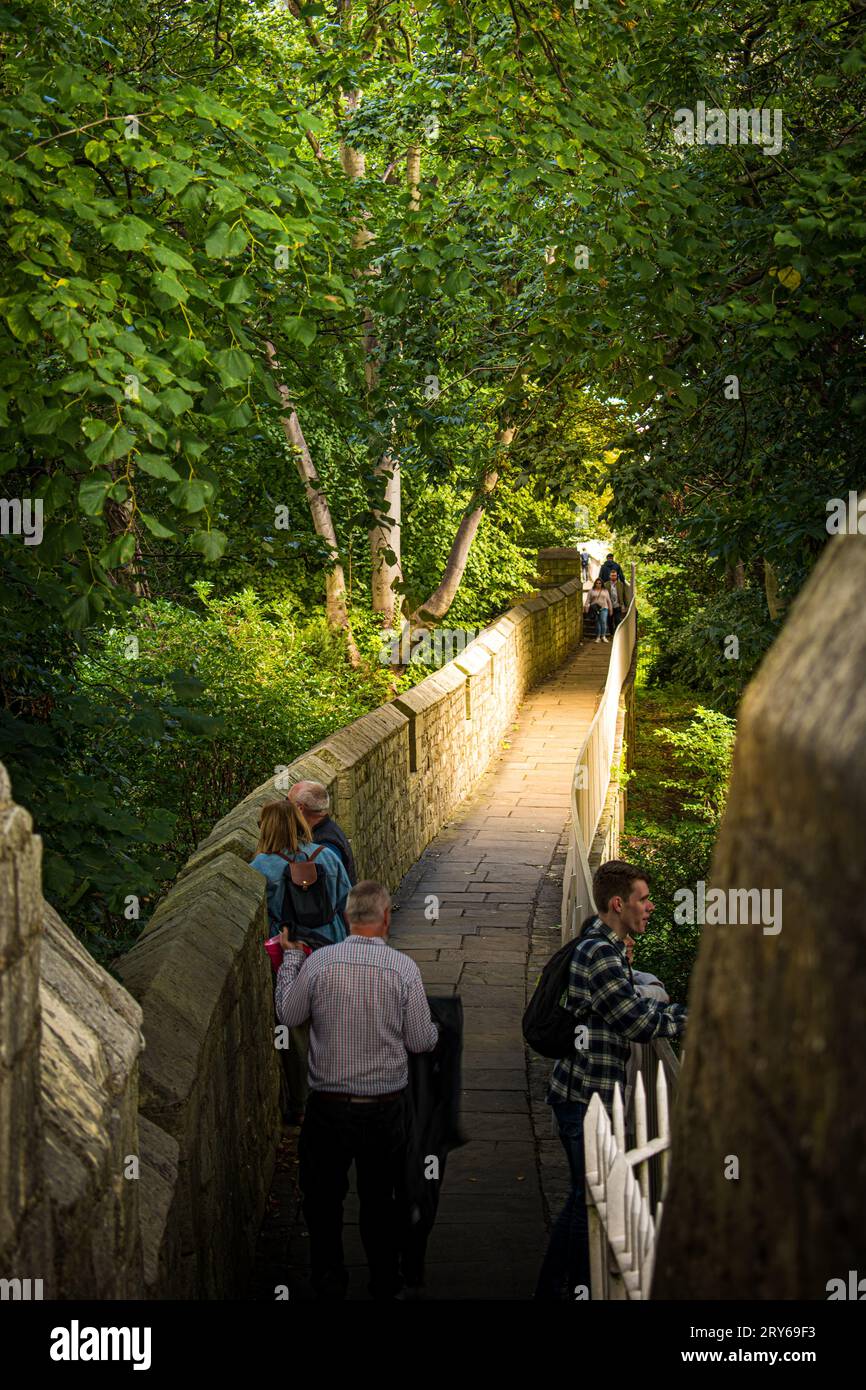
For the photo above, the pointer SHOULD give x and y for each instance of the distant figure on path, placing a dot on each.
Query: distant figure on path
(314, 802)
(368, 1011)
(584, 563)
(597, 602)
(602, 995)
(615, 591)
(610, 567)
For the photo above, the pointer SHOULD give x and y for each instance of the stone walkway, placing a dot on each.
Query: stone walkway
(496, 871)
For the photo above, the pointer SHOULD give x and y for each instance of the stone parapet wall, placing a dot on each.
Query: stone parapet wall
(558, 564)
(209, 1079)
(70, 1037)
(24, 1229)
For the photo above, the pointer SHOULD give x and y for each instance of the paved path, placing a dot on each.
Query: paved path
(497, 872)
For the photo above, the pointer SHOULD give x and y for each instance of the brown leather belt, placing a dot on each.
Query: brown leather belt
(357, 1100)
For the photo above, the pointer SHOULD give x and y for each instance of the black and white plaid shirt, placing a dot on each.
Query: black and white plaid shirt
(602, 996)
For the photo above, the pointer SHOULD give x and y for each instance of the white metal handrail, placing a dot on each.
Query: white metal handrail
(623, 1227)
(592, 774)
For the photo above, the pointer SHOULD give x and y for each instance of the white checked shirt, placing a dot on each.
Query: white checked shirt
(368, 1009)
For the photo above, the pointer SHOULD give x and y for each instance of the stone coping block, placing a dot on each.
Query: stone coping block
(494, 639)
(159, 1156)
(571, 586)
(91, 1041)
(431, 690)
(178, 971)
(474, 660)
(776, 1008)
(357, 740)
(540, 603)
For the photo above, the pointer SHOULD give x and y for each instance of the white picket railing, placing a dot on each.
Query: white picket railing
(623, 1215)
(592, 775)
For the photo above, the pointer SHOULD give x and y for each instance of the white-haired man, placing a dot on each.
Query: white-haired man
(314, 800)
(368, 1010)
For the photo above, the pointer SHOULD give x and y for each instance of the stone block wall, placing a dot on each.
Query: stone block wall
(558, 564)
(209, 1079)
(24, 1229)
(70, 1191)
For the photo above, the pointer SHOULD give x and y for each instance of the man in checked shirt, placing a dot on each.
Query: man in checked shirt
(368, 1009)
(602, 995)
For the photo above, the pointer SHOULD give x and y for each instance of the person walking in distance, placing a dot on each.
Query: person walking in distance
(602, 996)
(615, 593)
(597, 603)
(610, 567)
(368, 1010)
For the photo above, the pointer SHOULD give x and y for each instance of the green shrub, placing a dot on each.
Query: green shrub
(703, 750)
(693, 641)
(672, 860)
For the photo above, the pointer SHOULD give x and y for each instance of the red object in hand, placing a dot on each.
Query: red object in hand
(275, 951)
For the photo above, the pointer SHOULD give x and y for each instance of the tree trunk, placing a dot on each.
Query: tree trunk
(384, 534)
(771, 591)
(413, 176)
(437, 605)
(335, 584)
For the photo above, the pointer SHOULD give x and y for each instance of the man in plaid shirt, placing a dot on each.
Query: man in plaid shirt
(602, 996)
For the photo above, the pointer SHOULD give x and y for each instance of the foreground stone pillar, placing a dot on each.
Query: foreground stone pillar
(24, 1227)
(772, 1084)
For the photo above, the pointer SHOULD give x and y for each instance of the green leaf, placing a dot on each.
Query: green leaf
(111, 444)
(167, 283)
(96, 151)
(157, 467)
(225, 241)
(177, 400)
(189, 494)
(92, 494)
(212, 544)
(156, 528)
(234, 366)
(129, 234)
(299, 331)
(237, 291)
(118, 552)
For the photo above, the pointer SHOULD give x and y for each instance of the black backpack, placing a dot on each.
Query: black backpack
(307, 906)
(548, 1026)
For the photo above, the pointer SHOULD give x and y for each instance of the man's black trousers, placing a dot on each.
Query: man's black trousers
(374, 1136)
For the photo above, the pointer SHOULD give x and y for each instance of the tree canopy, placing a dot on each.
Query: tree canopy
(350, 304)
